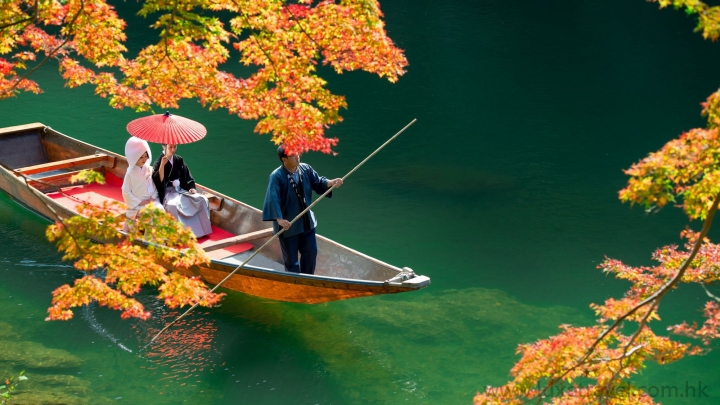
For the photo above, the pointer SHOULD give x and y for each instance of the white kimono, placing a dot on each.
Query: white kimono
(138, 184)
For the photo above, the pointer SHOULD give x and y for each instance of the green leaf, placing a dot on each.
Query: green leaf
(22, 378)
(88, 176)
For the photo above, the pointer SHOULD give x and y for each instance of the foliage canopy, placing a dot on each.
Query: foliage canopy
(196, 38)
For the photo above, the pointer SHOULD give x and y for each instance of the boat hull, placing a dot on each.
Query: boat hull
(342, 273)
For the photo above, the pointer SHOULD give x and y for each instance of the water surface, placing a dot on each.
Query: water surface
(504, 193)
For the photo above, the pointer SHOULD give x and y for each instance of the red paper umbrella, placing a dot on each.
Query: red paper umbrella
(167, 128)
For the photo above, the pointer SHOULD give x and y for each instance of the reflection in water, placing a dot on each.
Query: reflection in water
(185, 350)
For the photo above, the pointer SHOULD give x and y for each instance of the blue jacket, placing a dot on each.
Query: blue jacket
(282, 202)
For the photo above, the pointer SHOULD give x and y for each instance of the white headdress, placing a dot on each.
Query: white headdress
(134, 148)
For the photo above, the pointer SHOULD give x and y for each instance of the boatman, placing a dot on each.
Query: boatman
(289, 192)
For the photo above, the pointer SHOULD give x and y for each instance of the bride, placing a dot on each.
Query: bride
(138, 189)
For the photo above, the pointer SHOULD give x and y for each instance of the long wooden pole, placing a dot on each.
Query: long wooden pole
(281, 231)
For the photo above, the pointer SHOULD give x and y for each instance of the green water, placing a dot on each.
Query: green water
(504, 193)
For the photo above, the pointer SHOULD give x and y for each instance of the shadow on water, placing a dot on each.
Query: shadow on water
(431, 348)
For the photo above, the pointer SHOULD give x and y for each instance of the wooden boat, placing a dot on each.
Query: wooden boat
(41, 153)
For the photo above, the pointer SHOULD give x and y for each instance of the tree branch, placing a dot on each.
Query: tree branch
(627, 353)
(301, 27)
(34, 17)
(48, 55)
(653, 298)
(623, 356)
(2, 27)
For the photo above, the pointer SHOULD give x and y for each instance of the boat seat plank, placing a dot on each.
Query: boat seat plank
(234, 240)
(260, 261)
(49, 177)
(67, 163)
(52, 180)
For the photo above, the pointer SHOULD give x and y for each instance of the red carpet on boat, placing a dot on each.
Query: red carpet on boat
(111, 190)
(92, 193)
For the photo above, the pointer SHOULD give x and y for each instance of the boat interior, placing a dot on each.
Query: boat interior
(48, 162)
(48, 159)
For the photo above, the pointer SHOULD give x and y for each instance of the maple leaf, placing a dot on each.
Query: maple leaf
(129, 261)
(593, 364)
(285, 42)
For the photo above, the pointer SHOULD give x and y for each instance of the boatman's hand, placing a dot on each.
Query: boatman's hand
(192, 191)
(284, 223)
(335, 182)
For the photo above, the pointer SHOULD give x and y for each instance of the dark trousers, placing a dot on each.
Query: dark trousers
(306, 245)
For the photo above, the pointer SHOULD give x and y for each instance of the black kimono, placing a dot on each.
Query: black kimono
(177, 171)
(192, 210)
